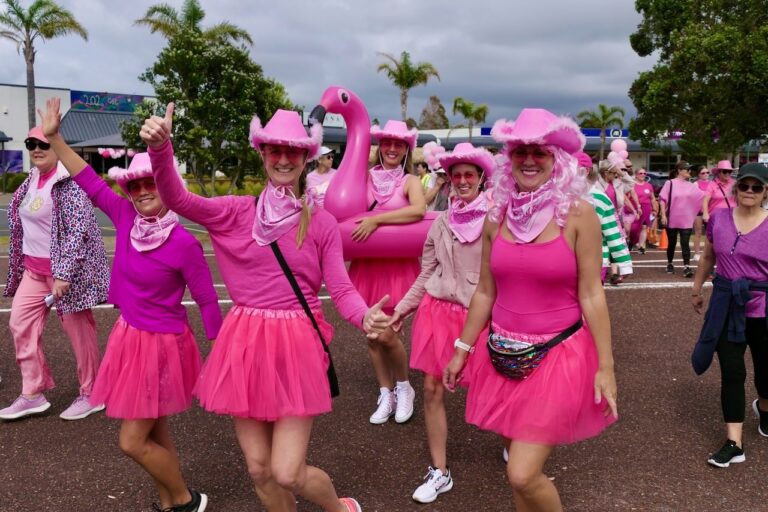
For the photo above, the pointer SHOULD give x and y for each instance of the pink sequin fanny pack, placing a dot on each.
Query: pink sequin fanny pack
(517, 359)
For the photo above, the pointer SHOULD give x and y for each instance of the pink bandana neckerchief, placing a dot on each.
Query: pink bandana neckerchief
(277, 211)
(528, 213)
(466, 219)
(385, 182)
(151, 232)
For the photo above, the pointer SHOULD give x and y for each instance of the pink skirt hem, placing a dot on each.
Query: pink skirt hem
(375, 277)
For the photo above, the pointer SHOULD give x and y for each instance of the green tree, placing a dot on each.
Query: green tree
(710, 78)
(406, 75)
(43, 20)
(473, 113)
(603, 118)
(170, 23)
(217, 89)
(433, 116)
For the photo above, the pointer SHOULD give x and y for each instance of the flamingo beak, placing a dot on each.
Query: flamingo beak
(318, 114)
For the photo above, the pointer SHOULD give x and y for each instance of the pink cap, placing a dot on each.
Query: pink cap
(37, 133)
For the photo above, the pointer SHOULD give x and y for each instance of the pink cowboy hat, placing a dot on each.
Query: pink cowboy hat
(584, 159)
(140, 167)
(466, 153)
(539, 126)
(723, 165)
(397, 130)
(285, 129)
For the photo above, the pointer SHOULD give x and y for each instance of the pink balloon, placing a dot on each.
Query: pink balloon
(624, 154)
(347, 194)
(613, 155)
(618, 145)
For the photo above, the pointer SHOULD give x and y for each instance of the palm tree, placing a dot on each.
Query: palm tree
(406, 75)
(602, 118)
(45, 20)
(169, 22)
(471, 112)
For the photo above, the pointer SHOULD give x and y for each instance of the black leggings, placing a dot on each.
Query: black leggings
(685, 244)
(733, 371)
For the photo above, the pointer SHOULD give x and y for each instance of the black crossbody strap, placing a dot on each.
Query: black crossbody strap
(373, 205)
(724, 196)
(557, 339)
(669, 202)
(332, 380)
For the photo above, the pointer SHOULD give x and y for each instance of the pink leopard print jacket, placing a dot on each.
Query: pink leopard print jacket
(77, 250)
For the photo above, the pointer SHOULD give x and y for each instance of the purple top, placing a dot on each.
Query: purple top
(148, 286)
(740, 255)
(251, 272)
(686, 203)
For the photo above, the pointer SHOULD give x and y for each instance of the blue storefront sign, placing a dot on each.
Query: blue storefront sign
(104, 101)
(611, 133)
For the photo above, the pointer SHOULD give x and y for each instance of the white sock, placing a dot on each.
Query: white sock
(384, 391)
(402, 384)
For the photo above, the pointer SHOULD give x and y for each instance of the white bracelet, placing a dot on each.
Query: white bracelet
(463, 346)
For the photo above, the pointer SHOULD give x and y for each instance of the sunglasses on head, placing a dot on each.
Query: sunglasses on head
(33, 144)
(135, 187)
(746, 187)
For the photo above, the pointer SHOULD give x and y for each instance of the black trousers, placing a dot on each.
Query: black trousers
(685, 244)
(733, 370)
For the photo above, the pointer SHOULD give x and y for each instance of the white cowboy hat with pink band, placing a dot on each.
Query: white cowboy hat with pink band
(397, 130)
(140, 167)
(541, 127)
(286, 129)
(466, 153)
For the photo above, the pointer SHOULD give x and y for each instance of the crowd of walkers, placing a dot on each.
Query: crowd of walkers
(507, 298)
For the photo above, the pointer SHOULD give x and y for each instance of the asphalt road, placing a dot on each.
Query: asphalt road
(652, 460)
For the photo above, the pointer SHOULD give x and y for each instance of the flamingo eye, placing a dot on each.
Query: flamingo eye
(344, 97)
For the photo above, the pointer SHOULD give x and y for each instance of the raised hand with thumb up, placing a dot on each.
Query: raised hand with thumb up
(375, 320)
(156, 129)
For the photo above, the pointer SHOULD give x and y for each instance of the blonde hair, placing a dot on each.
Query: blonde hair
(306, 212)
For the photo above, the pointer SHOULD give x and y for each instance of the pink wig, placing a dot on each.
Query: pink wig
(570, 186)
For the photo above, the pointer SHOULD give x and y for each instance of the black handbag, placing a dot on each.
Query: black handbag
(333, 381)
(515, 362)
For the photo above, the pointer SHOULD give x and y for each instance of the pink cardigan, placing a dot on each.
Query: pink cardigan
(450, 270)
(251, 273)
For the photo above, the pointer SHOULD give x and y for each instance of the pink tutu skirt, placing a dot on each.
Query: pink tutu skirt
(554, 405)
(146, 374)
(267, 364)
(376, 277)
(436, 326)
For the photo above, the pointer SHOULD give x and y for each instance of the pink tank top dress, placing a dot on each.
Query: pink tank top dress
(376, 277)
(537, 298)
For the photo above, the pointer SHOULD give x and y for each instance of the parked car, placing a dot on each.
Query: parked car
(657, 180)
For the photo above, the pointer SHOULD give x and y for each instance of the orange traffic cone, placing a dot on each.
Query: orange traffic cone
(663, 242)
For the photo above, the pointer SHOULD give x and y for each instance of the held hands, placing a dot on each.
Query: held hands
(375, 320)
(364, 229)
(605, 387)
(452, 372)
(156, 129)
(396, 321)
(51, 119)
(60, 288)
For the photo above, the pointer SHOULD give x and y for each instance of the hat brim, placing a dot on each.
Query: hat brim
(564, 133)
(408, 137)
(750, 174)
(312, 143)
(481, 158)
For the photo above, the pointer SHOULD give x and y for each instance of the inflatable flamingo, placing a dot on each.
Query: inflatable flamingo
(346, 197)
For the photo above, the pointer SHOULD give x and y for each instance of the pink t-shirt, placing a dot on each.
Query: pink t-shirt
(644, 193)
(319, 183)
(250, 271)
(719, 194)
(685, 205)
(36, 212)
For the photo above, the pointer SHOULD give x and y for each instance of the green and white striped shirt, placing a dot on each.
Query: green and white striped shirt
(614, 247)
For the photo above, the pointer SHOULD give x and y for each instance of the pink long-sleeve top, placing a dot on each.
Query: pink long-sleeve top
(148, 286)
(250, 271)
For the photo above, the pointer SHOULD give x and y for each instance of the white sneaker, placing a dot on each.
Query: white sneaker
(696, 257)
(404, 397)
(386, 408)
(505, 455)
(435, 484)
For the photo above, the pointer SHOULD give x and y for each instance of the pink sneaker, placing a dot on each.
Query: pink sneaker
(23, 406)
(351, 504)
(80, 408)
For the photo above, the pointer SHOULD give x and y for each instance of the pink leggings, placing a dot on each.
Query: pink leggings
(28, 316)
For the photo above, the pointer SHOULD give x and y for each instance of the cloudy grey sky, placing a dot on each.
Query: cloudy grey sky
(563, 55)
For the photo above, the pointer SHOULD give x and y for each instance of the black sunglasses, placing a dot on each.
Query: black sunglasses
(744, 187)
(33, 144)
